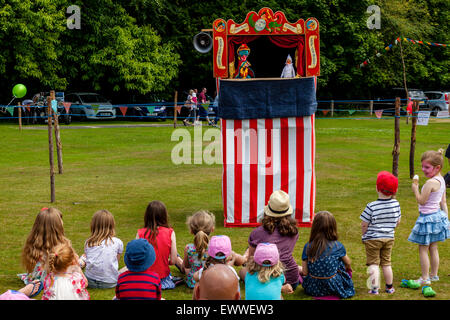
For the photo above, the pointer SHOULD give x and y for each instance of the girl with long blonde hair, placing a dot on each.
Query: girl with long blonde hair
(102, 252)
(46, 233)
(201, 224)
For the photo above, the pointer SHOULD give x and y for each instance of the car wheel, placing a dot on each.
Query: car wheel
(67, 119)
(435, 111)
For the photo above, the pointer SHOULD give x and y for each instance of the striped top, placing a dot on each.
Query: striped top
(382, 216)
(144, 285)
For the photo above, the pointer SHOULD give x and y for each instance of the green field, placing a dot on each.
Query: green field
(122, 169)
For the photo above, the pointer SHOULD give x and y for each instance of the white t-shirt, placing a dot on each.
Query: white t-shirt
(101, 261)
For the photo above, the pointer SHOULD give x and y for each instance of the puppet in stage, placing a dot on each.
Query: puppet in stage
(243, 70)
(288, 70)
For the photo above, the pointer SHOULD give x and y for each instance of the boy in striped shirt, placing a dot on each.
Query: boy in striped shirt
(138, 283)
(379, 220)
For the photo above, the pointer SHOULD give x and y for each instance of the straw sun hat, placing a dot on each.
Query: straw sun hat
(279, 205)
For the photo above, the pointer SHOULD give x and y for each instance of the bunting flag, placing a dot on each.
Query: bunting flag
(378, 113)
(325, 112)
(123, 110)
(389, 47)
(351, 111)
(10, 110)
(67, 106)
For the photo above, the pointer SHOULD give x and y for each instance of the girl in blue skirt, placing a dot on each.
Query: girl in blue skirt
(432, 225)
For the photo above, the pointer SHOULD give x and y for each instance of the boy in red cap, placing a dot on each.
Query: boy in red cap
(379, 220)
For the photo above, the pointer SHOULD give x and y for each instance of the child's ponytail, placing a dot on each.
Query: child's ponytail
(201, 241)
(60, 258)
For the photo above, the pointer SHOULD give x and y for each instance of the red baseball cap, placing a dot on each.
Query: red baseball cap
(387, 183)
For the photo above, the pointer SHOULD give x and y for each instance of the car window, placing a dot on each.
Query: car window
(416, 94)
(92, 98)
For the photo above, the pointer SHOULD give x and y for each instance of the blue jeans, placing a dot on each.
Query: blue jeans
(96, 284)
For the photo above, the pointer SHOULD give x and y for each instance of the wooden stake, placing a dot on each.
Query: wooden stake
(412, 149)
(50, 149)
(396, 150)
(404, 76)
(57, 137)
(175, 110)
(20, 116)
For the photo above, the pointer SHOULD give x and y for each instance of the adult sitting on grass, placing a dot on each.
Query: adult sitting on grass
(218, 282)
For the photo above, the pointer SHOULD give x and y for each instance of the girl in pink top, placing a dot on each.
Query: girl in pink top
(432, 225)
(158, 233)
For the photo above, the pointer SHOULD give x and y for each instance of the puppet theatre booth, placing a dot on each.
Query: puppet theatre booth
(265, 70)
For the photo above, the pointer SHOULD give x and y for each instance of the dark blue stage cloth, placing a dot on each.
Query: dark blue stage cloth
(267, 98)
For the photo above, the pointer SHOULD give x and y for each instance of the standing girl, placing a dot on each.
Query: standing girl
(46, 233)
(280, 228)
(264, 277)
(201, 225)
(326, 266)
(65, 280)
(432, 225)
(158, 233)
(102, 252)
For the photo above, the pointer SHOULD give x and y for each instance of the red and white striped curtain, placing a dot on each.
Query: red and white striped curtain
(263, 155)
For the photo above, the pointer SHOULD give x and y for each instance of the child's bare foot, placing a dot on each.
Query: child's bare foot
(31, 288)
(287, 288)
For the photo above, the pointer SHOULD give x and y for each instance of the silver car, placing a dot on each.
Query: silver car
(90, 106)
(437, 101)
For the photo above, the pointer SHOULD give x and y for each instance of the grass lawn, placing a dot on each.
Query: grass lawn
(122, 169)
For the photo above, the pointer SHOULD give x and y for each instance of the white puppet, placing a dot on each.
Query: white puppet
(288, 70)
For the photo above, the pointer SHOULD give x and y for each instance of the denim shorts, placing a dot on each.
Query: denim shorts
(96, 284)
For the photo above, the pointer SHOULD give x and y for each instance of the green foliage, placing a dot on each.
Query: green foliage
(143, 47)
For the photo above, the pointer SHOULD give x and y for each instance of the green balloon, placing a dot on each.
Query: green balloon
(19, 91)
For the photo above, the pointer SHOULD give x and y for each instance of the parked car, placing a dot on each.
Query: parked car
(437, 101)
(386, 100)
(90, 106)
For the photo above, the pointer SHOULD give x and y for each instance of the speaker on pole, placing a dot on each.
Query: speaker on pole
(203, 42)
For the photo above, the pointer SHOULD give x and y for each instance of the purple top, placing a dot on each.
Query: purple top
(285, 246)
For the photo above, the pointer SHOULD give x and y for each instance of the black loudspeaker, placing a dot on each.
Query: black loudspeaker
(203, 42)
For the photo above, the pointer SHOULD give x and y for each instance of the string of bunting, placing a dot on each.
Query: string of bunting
(389, 47)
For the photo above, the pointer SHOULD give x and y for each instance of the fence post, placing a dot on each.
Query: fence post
(57, 136)
(20, 116)
(415, 108)
(332, 108)
(50, 149)
(175, 110)
(371, 107)
(396, 150)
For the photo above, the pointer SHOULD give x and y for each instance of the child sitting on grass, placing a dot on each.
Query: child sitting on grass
(264, 278)
(102, 252)
(201, 225)
(326, 266)
(138, 282)
(65, 280)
